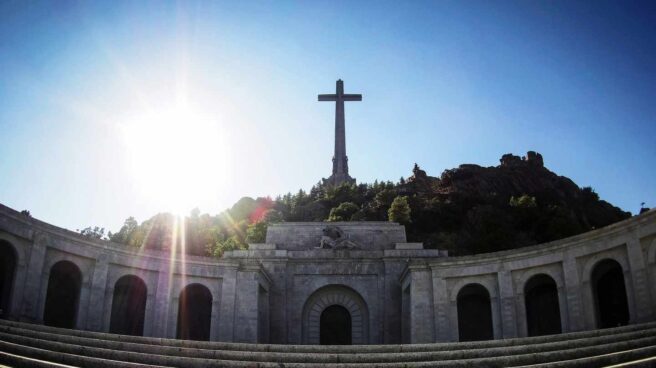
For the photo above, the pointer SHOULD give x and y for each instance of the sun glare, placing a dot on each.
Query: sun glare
(178, 157)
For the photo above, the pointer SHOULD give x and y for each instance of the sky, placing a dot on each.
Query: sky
(116, 109)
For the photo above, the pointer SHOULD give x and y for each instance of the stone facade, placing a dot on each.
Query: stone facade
(393, 291)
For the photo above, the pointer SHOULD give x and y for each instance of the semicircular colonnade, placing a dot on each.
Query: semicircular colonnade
(276, 293)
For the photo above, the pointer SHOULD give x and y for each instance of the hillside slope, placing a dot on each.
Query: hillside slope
(470, 209)
(474, 209)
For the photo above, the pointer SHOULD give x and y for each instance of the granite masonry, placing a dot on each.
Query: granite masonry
(312, 283)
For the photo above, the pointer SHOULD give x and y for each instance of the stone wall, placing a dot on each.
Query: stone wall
(370, 235)
(569, 262)
(394, 291)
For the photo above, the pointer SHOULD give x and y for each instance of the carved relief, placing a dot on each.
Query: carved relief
(333, 238)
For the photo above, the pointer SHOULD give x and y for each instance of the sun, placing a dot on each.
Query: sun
(177, 156)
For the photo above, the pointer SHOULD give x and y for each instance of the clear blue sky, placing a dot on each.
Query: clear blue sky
(84, 86)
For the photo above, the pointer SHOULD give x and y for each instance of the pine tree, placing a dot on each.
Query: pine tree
(399, 211)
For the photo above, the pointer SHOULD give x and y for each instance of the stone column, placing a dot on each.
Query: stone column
(162, 301)
(32, 289)
(20, 274)
(573, 294)
(97, 294)
(421, 307)
(246, 305)
(392, 302)
(441, 303)
(507, 305)
(278, 301)
(84, 298)
(227, 313)
(642, 312)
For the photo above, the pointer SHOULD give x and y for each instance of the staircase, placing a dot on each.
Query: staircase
(29, 345)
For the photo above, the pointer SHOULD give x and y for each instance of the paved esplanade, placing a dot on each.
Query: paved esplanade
(340, 161)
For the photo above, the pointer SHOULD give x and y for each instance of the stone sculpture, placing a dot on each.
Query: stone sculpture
(333, 238)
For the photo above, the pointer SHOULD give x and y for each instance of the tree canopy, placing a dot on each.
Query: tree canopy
(467, 210)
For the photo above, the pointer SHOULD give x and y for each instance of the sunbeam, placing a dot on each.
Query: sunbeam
(177, 156)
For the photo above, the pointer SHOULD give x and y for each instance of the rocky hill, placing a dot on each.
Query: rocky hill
(474, 209)
(470, 209)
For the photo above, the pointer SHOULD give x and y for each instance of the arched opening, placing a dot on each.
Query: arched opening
(355, 320)
(195, 313)
(542, 308)
(335, 326)
(609, 291)
(474, 314)
(63, 295)
(128, 306)
(7, 272)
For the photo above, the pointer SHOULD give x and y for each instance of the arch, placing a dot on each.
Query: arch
(128, 306)
(335, 326)
(609, 291)
(8, 263)
(335, 295)
(63, 295)
(542, 306)
(194, 313)
(474, 313)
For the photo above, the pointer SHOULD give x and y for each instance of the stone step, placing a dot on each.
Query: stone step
(504, 357)
(354, 349)
(12, 360)
(640, 357)
(649, 362)
(27, 356)
(12, 333)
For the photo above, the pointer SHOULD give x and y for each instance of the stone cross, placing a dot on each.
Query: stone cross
(340, 161)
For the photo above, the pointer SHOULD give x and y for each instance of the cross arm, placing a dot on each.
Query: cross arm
(327, 97)
(352, 97)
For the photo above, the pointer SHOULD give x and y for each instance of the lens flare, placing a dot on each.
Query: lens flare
(178, 157)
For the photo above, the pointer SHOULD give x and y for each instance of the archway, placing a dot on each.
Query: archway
(195, 313)
(63, 295)
(341, 305)
(474, 313)
(335, 326)
(7, 272)
(128, 306)
(608, 288)
(542, 308)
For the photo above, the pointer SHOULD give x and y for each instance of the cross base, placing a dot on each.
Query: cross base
(336, 180)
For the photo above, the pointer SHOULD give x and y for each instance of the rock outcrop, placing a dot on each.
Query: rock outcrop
(474, 202)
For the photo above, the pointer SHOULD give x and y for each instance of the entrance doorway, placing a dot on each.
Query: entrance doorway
(335, 326)
(63, 295)
(610, 294)
(128, 306)
(542, 308)
(7, 271)
(195, 313)
(474, 314)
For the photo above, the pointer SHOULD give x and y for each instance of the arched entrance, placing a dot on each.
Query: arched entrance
(335, 326)
(128, 306)
(7, 272)
(333, 312)
(63, 295)
(195, 313)
(608, 288)
(474, 313)
(542, 308)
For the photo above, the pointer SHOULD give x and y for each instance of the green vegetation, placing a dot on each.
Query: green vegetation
(399, 211)
(467, 210)
(343, 212)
